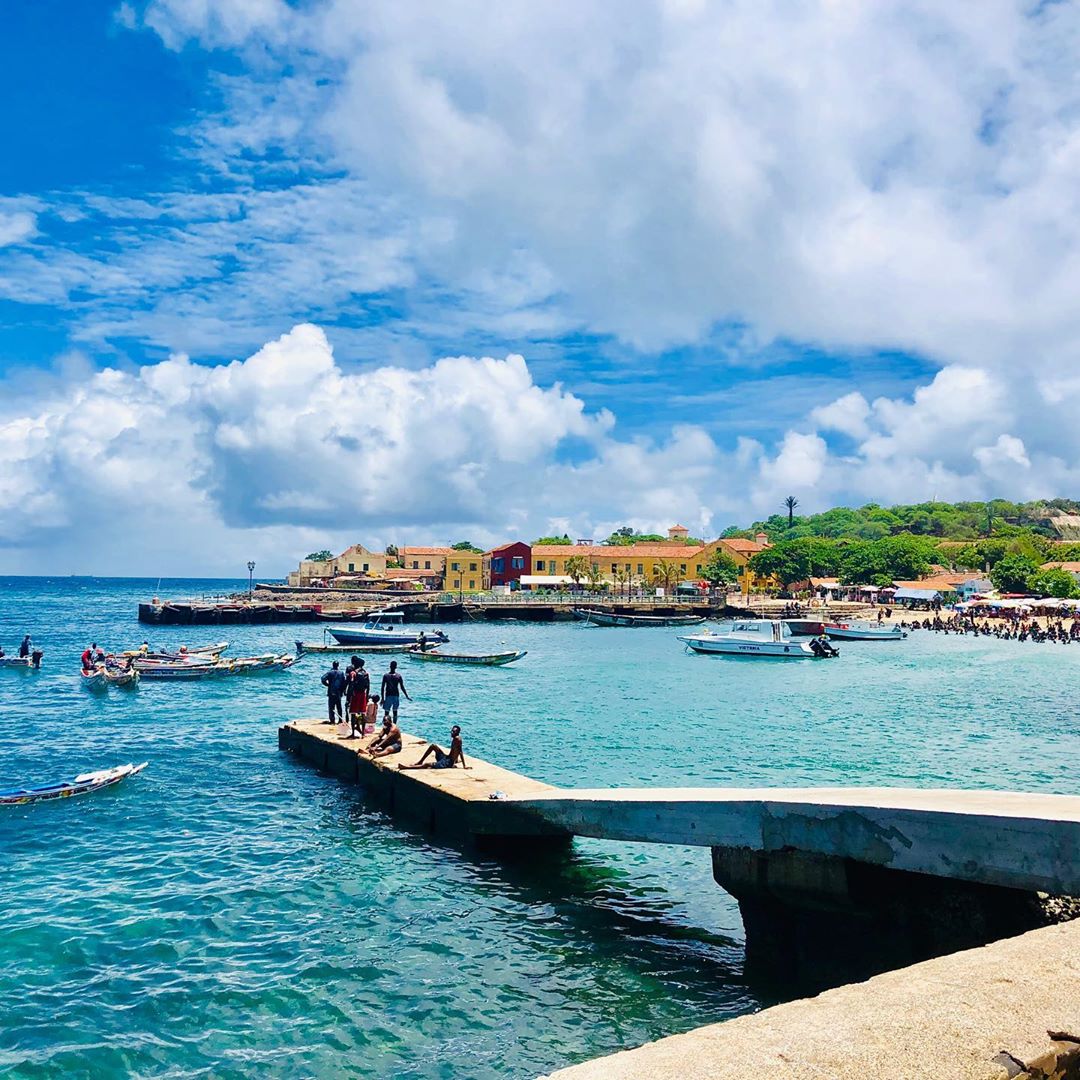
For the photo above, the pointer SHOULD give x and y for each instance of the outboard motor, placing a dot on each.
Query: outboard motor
(35, 658)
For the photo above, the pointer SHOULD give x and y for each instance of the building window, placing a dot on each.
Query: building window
(351, 568)
(497, 565)
(365, 567)
(596, 566)
(640, 569)
(472, 566)
(472, 584)
(682, 568)
(427, 564)
(453, 566)
(539, 565)
(517, 562)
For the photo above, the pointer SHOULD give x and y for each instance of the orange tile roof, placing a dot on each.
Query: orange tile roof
(1071, 567)
(745, 547)
(404, 551)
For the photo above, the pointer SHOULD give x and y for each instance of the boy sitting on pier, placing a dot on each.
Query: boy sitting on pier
(442, 759)
(388, 741)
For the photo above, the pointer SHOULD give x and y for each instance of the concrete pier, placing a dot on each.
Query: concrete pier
(456, 804)
(1007, 1011)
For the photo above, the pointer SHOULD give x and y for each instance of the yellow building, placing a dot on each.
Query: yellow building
(641, 565)
(354, 561)
(741, 552)
(464, 571)
(426, 558)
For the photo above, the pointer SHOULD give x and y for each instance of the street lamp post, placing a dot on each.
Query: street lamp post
(251, 576)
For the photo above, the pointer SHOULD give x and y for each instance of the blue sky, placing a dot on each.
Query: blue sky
(753, 256)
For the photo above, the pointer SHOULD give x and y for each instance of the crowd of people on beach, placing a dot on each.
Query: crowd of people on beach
(1013, 627)
(354, 709)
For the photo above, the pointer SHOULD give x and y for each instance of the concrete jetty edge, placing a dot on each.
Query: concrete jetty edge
(449, 804)
(990, 1013)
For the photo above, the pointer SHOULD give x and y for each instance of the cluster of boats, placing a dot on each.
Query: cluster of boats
(774, 637)
(385, 631)
(198, 662)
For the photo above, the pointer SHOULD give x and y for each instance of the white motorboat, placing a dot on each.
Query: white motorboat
(759, 637)
(384, 628)
(864, 631)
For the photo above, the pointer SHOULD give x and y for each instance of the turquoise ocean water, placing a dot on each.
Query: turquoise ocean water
(232, 913)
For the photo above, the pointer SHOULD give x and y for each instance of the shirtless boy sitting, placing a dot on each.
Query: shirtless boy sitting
(441, 759)
(388, 741)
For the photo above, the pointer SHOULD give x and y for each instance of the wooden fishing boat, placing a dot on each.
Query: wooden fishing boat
(20, 663)
(81, 785)
(94, 680)
(151, 669)
(250, 665)
(206, 651)
(482, 659)
(610, 618)
(121, 676)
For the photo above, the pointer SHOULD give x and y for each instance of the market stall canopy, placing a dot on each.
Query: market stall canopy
(917, 594)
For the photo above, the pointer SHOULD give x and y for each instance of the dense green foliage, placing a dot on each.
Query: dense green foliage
(553, 540)
(1054, 582)
(320, 556)
(466, 545)
(626, 536)
(721, 569)
(947, 521)
(862, 562)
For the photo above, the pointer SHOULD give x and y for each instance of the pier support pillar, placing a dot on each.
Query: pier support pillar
(817, 921)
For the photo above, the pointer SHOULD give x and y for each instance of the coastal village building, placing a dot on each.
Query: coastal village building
(432, 559)
(507, 565)
(464, 572)
(641, 564)
(354, 561)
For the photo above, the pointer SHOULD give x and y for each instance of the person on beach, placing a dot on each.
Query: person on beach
(25, 647)
(334, 681)
(442, 760)
(371, 714)
(393, 685)
(357, 696)
(388, 741)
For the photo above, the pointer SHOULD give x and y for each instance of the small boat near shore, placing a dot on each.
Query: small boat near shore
(207, 667)
(481, 659)
(610, 618)
(760, 637)
(22, 663)
(303, 647)
(864, 631)
(206, 651)
(81, 785)
(384, 628)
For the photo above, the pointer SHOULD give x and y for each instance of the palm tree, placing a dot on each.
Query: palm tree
(791, 502)
(666, 574)
(577, 567)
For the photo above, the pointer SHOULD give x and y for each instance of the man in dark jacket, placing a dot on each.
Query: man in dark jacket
(334, 681)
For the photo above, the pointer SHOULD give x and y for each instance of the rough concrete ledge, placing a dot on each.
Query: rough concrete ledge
(451, 804)
(1003, 1011)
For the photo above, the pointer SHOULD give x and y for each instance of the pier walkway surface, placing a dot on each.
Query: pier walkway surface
(984, 1014)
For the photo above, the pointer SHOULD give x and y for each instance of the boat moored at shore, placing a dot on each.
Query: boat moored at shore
(591, 616)
(481, 659)
(384, 628)
(864, 631)
(760, 637)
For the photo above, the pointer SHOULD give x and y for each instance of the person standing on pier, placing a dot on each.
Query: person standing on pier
(393, 685)
(357, 696)
(334, 681)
